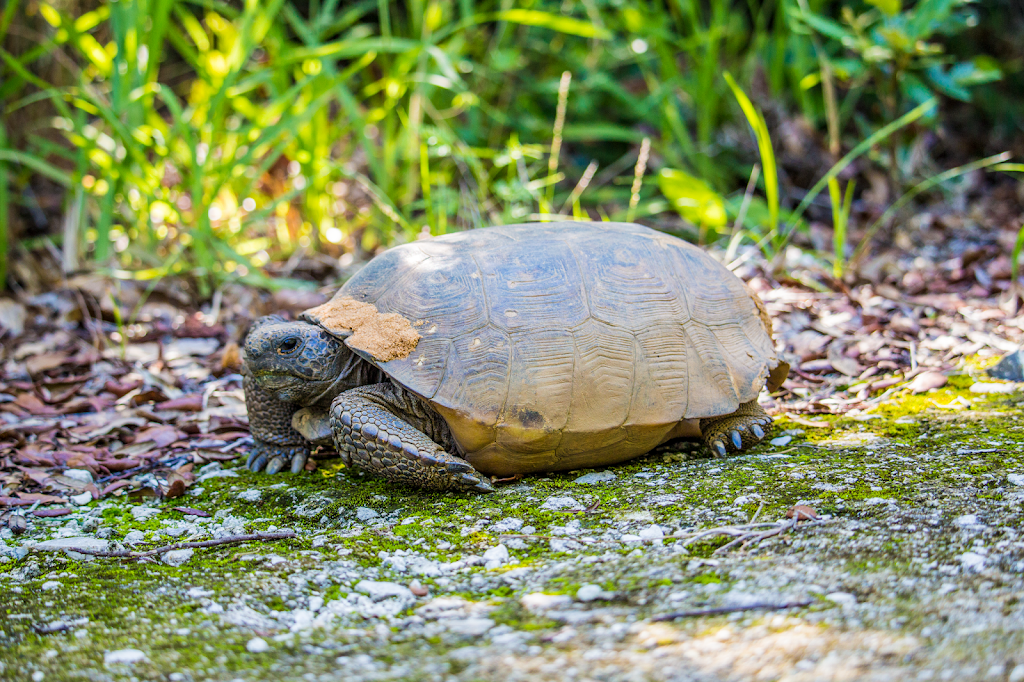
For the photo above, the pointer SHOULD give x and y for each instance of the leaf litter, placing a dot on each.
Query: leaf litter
(138, 406)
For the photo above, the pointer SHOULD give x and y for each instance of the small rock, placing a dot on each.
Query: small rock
(1016, 479)
(198, 592)
(560, 502)
(972, 561)
(123, 656)
(495, 556)
(589, 592)
(81, 498)
(652, 532)
(538, 601)
(382, 590)
(967, 521)
(365, 513)
(177, 557)
(928, 381)
(134, 537)
(781, 441)
(992, 387)
(843, 599)
(257, 645)
(596, 477)
(143, 513)
(1010, 367)
(83, 475)
(50, 585)
(70, 544)
(250, 495)
(316, 602)
(630, 537)
(1017, 674)
(507, 524)
(472, 627)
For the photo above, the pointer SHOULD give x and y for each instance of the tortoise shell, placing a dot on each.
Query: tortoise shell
(561, 345)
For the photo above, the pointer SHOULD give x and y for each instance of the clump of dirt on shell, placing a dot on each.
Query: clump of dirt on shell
(384, 337)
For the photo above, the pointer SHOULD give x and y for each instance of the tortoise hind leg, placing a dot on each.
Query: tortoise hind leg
(742, 429)
(372, 430)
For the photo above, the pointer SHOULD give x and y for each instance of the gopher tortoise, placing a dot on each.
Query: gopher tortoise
(513, 350)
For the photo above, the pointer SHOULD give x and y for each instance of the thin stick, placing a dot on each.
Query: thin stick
(638, 178)
(229, 540)
(733, 609)
(556, 134)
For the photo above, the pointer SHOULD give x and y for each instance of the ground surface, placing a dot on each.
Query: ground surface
(914, 570)
(123, 429)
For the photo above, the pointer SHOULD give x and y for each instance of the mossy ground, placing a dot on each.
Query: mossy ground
(922, 547)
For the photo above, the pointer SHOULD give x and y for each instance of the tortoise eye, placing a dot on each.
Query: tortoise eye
(288, 346)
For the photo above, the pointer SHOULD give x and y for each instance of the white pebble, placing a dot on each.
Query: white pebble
(177, 557)
(560, 502)
(781, 441)
(257, 645)
(126, 656)
(992, 387)
(51, 585)
(1016, 479)
(251, 495)
(82, 498)
(588, 592)
(596, 477)
(83, 475)
(365, 513)
(496, 556)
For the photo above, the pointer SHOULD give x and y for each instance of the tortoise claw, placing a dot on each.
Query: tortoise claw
(275, 465)
(475, 483)
(737, 440)
(258, 463)
(298, 462)
(757, 431)
(253, 454)
(718, 447)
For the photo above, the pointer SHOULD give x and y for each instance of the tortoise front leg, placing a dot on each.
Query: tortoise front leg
(742, 429)
(275, 442)
(371, 433)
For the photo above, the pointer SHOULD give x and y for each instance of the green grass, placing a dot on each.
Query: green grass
(210, 138)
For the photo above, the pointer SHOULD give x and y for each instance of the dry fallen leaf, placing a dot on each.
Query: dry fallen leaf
(802, 512)
(928, 381)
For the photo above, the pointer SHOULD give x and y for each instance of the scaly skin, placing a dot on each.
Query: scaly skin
(370, 436)
(735, 432)
(275, 442)
(296, 365)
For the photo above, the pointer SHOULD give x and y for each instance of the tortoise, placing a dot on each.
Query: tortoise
(512, 350)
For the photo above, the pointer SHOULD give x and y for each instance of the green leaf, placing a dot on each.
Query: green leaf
(692, 198)
(764, 148)
(889, 7)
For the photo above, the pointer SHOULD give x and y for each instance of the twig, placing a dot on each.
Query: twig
(229, 540)
(733, 609)
(749, 538)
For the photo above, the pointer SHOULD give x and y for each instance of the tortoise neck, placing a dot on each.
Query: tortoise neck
(354, 372)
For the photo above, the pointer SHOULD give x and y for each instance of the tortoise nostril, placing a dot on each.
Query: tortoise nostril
(288, 345)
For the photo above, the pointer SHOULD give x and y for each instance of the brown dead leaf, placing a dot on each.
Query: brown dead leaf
(928, 381)
(189, 511)
(162, 435)
(175, 486)
(37, 364)
(48, 513)
(802, 512)
(192, 402)
(231, 359)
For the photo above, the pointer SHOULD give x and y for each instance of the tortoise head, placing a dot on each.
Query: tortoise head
(298, 362)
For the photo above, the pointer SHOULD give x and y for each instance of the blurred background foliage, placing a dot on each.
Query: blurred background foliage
(232, 140)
